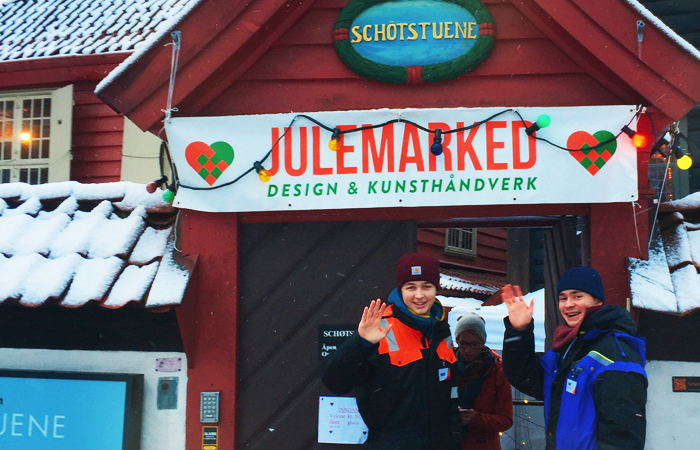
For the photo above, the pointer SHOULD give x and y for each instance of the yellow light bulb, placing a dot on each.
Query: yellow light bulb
(525, 401)
(333, 144)
(264, 176)
(25, 136)
(684, 162)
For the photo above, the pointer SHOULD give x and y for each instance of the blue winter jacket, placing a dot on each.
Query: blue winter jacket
(594, 390)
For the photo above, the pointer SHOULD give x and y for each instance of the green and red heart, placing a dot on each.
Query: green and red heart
(592, 159)
(209, 161)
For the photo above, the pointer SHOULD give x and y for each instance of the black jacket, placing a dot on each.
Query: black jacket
(405, 407)
(619, 397)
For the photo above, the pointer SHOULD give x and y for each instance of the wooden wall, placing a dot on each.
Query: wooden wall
(491, 249)
(301, 72)
(97, 137)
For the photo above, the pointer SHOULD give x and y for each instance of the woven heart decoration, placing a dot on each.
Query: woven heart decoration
(592, 159)
(209, 161)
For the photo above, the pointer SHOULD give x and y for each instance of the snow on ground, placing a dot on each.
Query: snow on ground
(493, 316)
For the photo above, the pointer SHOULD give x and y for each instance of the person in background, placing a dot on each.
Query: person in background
(485, 396)
(400, 365)
(592, 380)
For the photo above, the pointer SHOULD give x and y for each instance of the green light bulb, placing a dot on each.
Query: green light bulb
(168, 196)
(543, 120)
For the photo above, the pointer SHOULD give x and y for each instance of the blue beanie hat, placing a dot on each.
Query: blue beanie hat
(584, 279)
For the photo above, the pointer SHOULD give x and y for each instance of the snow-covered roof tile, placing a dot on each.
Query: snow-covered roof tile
(151, 246)
(75, 243)
(35, 29)
(669, 280)
(462, 283)
(171, 280)
(677, 245)
(93, 278)
(132, 285)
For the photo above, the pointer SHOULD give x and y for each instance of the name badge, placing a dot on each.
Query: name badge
(444, 374)
(571, 386)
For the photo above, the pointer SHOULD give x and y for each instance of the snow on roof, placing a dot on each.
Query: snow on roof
(641, 9)
(461, 283)
(493, 316)
(75, 243)
(669, 280)
(165, 28)
(36, 29)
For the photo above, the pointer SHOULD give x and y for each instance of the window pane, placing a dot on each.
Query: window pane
(46, 128)
(33, 176)
(24, 150)
(7, 134)
(43, 176)
(23, 175)
(36, 112)
(26, 126)
(26, 109)
(5, 176)
(47, 107)
(10, 110)
(36, 143)
(36, 129)
(8, 149)
(44, 148)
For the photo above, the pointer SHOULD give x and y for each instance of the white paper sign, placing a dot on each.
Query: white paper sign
(339, 421)
(494, 163)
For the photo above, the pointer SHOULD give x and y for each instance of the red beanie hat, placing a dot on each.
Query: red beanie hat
(417, 267)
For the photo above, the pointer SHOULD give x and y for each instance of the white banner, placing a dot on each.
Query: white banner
(494, 163)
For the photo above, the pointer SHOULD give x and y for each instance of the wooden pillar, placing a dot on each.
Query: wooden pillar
(613, 240)
(208, 320)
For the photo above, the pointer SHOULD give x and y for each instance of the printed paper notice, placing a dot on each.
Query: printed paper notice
(339, 421)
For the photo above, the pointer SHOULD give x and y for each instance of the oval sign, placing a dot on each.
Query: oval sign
(413, 41)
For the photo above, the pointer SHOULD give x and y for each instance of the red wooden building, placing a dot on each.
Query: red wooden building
(268, 281)
(52, 55)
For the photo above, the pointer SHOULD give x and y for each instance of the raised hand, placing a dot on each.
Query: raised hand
(519, 312)
(370, 327)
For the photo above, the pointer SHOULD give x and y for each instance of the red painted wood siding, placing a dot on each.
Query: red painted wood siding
(98, 134)
(301, 72)
(491, 251)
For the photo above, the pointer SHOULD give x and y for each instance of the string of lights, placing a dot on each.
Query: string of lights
(639, 140)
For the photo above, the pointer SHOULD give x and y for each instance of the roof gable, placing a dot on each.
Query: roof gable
(227, 68)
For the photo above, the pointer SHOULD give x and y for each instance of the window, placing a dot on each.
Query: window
(460, 241)
(35, 131)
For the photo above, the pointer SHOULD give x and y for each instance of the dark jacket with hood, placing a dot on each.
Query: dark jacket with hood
(594, 390)
(493, 405)
(405, 405)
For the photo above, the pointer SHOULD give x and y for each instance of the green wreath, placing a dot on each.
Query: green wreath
(398, 74)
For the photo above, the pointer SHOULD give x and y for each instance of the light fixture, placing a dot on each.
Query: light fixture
(155, 184)
(543, 121)
(640, 140)
(25, 137)
(169, 194)
(436, 148)
(333, 143)
(683, 161)
(263, 174)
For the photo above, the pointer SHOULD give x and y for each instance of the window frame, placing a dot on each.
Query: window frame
(58, 162)
(460, 249)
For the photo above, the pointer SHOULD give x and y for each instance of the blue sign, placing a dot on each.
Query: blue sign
(414, 33)
(58, 414)
(413, 41)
